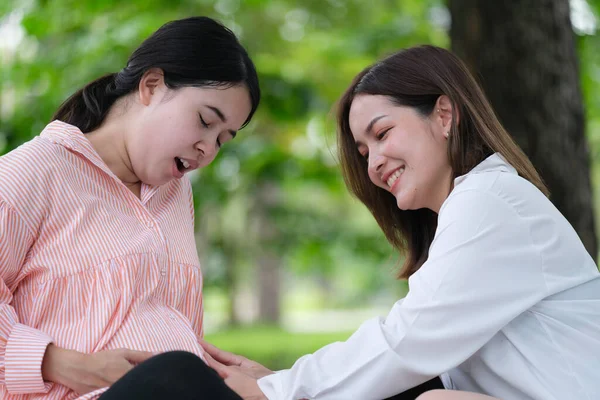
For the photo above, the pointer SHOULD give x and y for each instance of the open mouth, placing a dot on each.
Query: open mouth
(392, 179)
(182, 165)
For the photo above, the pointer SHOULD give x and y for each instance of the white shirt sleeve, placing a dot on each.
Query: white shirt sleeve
(483, 271)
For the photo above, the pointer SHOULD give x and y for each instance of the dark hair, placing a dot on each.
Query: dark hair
(196, 51)
(417, 77)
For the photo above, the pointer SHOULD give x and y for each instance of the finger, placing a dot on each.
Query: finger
(136, 357)
(115, 373)
(222, 356)
(244, 385)
(211, 362)
(217, 366)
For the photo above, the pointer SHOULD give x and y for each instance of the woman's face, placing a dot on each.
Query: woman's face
(181, 130)
(407, 153)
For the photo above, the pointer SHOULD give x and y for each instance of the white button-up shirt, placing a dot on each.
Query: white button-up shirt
(507, 304)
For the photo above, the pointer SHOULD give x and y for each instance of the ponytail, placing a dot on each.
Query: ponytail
(87, 108)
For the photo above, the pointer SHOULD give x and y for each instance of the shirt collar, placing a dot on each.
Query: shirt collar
(71, 138)
(495, 162)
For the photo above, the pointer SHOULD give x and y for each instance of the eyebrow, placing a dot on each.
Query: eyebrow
(222, 118)
(370, 127)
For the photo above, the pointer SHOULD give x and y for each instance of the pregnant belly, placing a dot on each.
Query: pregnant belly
(157, 331)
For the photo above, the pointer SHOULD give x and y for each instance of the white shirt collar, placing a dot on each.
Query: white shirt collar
(495, 162)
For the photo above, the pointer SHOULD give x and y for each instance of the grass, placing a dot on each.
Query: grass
(272, 346)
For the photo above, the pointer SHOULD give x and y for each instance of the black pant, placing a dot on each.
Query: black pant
(184, 376)
(412, 394)
(174, 375)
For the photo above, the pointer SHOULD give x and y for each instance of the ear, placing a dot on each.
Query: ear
(152, 81)
(444, 114)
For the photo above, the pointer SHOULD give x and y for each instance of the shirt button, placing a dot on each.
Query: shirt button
(163, 272)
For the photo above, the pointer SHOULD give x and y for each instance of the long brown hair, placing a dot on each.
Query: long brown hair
(416, 77)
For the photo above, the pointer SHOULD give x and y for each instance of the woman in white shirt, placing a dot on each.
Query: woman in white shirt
(504, 300)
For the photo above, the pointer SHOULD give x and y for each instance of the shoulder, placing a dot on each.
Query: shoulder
(498, 194)
(510, 214)
(30, 170)
(487, 210)
(32, 157)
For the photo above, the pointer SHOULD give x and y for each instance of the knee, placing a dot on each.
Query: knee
(437, 394)
(178, 359)
(178, 355)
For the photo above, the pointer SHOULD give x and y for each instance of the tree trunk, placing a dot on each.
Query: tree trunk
(269, 298)
(523, 52)
(231, 284)
(268, 262)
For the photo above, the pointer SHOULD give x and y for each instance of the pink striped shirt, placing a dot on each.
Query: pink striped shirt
(87, 265)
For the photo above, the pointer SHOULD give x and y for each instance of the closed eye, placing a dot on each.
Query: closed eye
(382, 134)
(202, 121)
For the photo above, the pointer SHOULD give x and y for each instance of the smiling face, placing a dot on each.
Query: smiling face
(407, 153)
(180, 130)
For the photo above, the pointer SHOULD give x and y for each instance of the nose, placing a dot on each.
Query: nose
(376, 163)
(207, 151)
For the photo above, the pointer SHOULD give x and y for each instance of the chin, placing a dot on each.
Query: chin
(402, 206)
(405, 204)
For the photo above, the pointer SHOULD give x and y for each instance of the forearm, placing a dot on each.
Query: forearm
(362, 367)
(62, 366)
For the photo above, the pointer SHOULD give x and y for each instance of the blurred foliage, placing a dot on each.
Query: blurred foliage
(277, 188)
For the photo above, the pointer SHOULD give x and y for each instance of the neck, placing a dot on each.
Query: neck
(445, 189)
(109, 141)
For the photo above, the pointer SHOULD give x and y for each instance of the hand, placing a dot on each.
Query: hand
(84, 373)
(238, 380)
(239, 373)
(225, 358)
